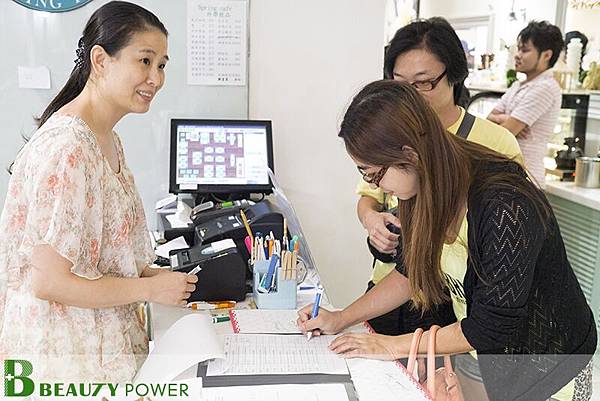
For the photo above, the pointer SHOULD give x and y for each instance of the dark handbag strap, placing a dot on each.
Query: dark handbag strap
(465, 126)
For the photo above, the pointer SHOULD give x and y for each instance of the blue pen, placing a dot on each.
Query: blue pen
(315, 312)
(266, 248)
(267, 281)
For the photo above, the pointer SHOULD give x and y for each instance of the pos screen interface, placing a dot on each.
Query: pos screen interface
(220, 156)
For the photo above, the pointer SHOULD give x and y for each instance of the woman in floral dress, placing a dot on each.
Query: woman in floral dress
(74, 246)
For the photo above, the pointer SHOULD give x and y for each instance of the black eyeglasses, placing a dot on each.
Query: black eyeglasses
(373, 178)
(426, 86)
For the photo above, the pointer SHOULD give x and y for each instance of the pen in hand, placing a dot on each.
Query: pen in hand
(315, 312)
(194, 270)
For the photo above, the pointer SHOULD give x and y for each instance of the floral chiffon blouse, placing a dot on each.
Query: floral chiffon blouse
(63, 193)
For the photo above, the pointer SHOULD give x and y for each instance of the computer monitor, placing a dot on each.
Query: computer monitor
(220, 156)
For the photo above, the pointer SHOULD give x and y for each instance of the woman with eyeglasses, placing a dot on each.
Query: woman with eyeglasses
(428, 55)
(526, 315)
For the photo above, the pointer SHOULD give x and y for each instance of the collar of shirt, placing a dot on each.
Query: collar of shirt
(454, 127)
(543, 76)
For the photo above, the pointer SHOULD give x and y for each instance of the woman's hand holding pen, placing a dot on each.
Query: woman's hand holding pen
(327, 322)
(171, 288)
(352, 345)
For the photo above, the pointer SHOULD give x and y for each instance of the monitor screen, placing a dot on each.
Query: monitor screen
(220, 156)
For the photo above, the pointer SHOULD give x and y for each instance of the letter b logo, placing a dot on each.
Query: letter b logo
(11, 377)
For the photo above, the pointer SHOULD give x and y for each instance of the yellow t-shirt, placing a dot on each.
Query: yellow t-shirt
(483, 132)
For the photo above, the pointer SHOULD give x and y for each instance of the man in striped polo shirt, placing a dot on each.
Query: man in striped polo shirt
(529, 109)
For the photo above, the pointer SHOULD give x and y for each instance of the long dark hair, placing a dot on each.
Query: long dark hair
(437, 36)
(111, 26)
(383, 120)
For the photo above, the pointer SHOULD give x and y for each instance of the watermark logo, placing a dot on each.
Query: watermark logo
(16, 378)
(18, 383)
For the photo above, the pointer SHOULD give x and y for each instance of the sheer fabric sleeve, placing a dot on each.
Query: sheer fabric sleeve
(64, 211)
(509, 237)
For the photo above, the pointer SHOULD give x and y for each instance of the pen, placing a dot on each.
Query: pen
(267, 280)
(222, 304)
(200, 306)
(225, 205)
(194, 270)
(219, 319)
(315, 312)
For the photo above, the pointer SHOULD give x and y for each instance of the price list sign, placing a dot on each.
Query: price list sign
(217, 42)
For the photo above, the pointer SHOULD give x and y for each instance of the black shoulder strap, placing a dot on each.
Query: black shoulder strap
(465, 126)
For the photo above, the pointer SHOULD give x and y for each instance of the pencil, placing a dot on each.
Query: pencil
(245, 220)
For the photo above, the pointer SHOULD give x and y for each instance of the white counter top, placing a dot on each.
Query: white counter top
(589, 197)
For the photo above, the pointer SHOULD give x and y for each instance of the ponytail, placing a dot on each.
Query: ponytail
(70, 91)
(74, 85)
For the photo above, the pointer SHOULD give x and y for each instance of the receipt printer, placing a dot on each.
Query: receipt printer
(261, 218)
(222, 274)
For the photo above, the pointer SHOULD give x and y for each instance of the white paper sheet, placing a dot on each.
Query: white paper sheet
(282, 392)
(383, 380)
(34, 77)
(177, 243)
(168, 202)
(264, 321)
(254, 354)
(190, 340)
(178, 222)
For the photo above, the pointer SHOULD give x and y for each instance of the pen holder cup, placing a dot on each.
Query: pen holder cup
(282, 297)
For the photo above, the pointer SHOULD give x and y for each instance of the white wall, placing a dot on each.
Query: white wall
(498, 9)
(587, 21)
(307, 59)
(535, 9)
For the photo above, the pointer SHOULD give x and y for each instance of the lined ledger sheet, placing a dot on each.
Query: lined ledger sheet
(256, 354)
(383, 380)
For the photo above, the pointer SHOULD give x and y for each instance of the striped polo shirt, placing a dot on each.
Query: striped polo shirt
(535, 103)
